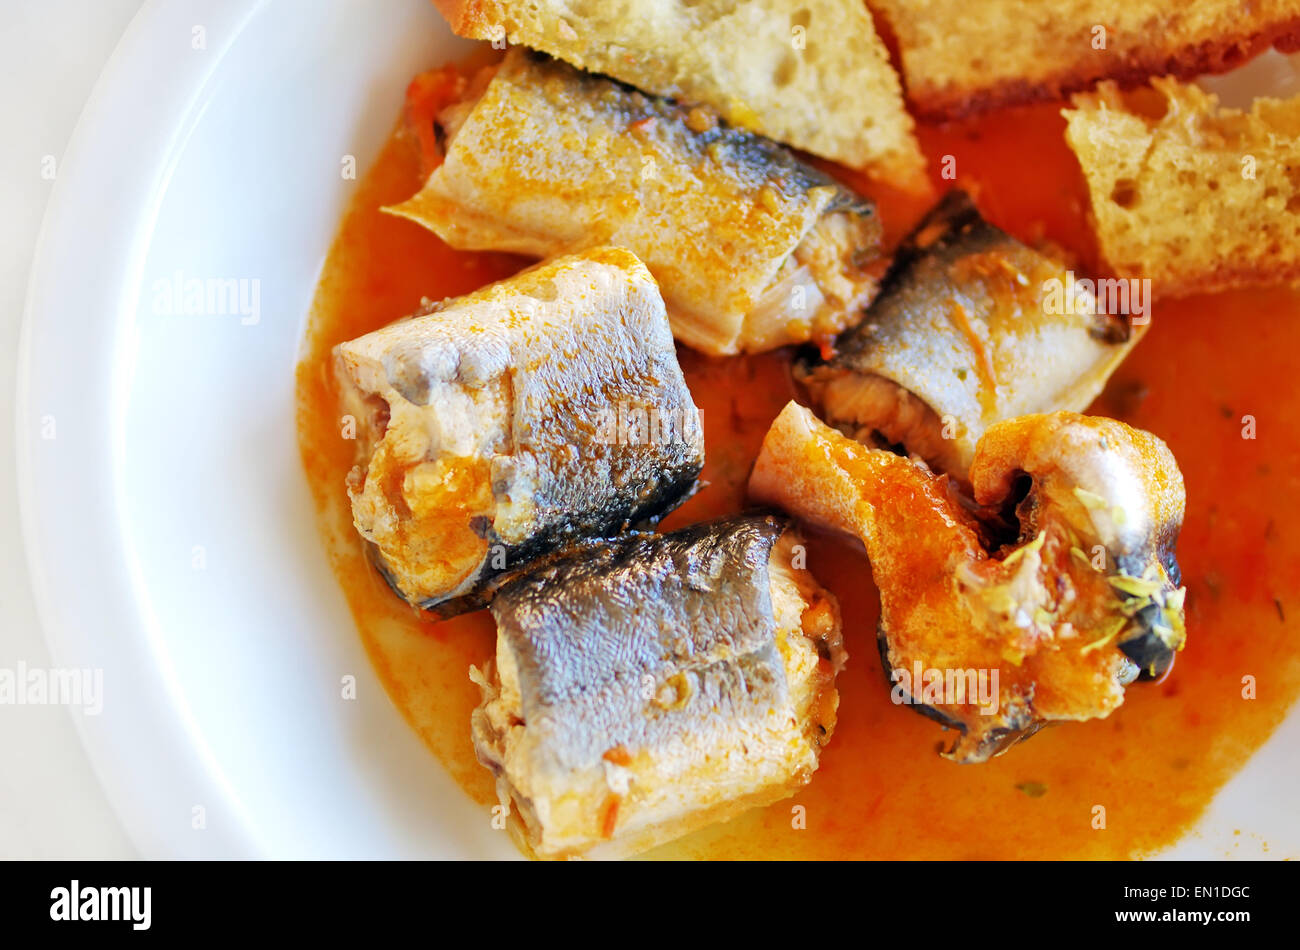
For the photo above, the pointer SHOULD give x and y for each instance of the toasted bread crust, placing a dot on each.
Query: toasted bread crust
(1126, 63)
(472, 18)
(1227, 276)
(753, 64)
(1198, 200)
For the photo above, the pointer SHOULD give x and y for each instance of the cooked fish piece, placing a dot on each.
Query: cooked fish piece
(752, 248)
(971, 327)
(744, 59)
(650, 686)
(501, 426)
(1077, 596)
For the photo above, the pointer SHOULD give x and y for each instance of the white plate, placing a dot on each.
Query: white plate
(168, 523)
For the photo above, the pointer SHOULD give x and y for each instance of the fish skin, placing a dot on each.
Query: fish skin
(955, 598)
(846, 105)
(1131, 472)
(560, 347)
(666, 647)
(551, 160)
(1016, 721)
(649, 606)
(960, 326)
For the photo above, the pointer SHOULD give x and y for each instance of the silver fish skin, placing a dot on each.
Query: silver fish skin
(649, 686)
(752, 248)
(1118, 489)
(502, 426)
(969, 329)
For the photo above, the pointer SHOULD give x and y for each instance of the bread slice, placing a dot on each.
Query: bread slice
(812, 74)
(965, 56)
(1199, 199)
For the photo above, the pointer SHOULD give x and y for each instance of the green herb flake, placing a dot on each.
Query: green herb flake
(1134, 586)
(1020, 552)
(1119, 624)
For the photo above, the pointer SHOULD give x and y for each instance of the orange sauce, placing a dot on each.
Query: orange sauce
(882, 791)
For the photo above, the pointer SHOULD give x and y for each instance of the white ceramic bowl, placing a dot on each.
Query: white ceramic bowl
(169, 525)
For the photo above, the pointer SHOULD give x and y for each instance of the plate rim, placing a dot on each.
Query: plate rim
(97, 169)
(126, 98)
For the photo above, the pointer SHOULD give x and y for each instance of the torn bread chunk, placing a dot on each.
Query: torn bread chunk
(1197, 199)
(971, 327)
(500, 426)
(966, 56)
(1038, 603)
(812, 74)
(645, 688)
(752, 248)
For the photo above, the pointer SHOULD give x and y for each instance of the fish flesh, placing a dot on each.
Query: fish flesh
(752, 248)
(746, 60)
(496, 428)
(646, 687)
(971, 327)
(1059, 588)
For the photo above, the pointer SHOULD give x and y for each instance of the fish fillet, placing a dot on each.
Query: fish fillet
(752, 248)
(813, 74)
(650, 686)
(966, 332)
(498, 427)
(1079, 598)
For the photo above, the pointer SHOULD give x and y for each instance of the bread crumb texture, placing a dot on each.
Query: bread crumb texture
(1197, 198)
(965, 56)
(812, 74)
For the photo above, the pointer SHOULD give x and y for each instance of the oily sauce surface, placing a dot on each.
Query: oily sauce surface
(882, 791)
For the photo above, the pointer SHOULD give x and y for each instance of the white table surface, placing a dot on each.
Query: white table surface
(51, 53)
